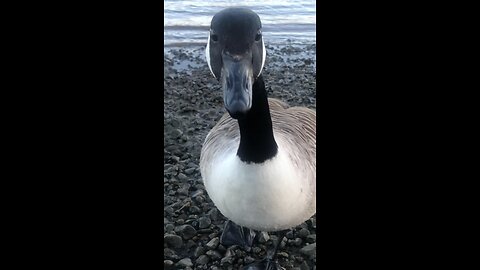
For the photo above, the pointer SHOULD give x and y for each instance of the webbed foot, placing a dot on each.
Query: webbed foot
(237, 235)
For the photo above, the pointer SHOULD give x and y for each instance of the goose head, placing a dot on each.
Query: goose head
(235, 54)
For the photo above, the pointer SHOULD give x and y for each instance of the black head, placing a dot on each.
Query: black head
(236, 54)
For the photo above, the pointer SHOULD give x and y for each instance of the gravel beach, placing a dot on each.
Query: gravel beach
(193, 104)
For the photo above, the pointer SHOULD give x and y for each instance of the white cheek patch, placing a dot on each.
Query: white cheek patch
(264, 55)
(207, 54)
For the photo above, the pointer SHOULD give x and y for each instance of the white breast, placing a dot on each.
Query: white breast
(270, 196)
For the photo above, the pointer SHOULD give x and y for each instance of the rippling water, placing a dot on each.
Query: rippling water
(284, 22)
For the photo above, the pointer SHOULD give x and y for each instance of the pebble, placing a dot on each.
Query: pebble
(227, 260)
(185, 262)
(189, 171)
(248, 260)
(213, 244)
(170, 254)
(214, 254)
(263, 237)
(304, 266)
(199, 251)
(309, 250)
(169, 228)
(182, 177)
(186, 231)
(173, 240)
(203, 259)
(213, 214)
(282, 254)
(311, 238)
(167, 264)
(194, 210)
(204, 222)
(303, 233)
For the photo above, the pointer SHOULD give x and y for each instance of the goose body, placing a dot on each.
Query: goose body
(274, 195)
(258, 163)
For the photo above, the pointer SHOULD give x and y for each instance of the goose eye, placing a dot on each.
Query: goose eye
(214, 38)
(258, 36)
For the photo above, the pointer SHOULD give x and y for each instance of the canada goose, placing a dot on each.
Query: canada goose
(258, 163)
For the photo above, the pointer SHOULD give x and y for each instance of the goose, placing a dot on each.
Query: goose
(258, 163)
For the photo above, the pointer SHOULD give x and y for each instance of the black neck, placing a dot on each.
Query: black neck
(257, 143)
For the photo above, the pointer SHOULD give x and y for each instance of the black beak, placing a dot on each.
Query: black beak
(237, 78)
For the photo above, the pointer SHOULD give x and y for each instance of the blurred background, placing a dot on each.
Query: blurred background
(186, 23)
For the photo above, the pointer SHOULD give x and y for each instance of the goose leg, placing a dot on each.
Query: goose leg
(268, 263)
(237, 235)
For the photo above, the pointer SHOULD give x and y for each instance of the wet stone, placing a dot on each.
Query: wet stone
(214, 254)
(189, 171)
(186, 231)
(213, 244)
(309, 250)
(170, 254)
(169, 228)
(282, 254)
(185, 262)
(263, 237)
(311, 238)
(248, 260)
(204, 222)
(203, 259)
(199, 251)
(214, 215)
(168, 264)
(227, 260)
(303, 233)
(172, 240)
(182, 177)
(304, 266)
(194, 210)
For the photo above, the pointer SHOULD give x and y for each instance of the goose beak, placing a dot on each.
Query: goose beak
(237, 79)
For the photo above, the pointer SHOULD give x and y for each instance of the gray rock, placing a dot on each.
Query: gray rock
(167, 264)
(213, 244)
(303, 233)
(186, 231)
(256, 250)
(203, 259)
(189, 171)
(309, 250)
(169, 228)
(263, 237)
(213, 214)
(199, 251)
(194, 210)
(169, 254)
(185, 262)
(304, 266)
(182, 177)
(282, 254)
(214, 254)
(227, 260)
(311, 238)
(173, 240)
(204, 222)
(248, 260)
(296, 242)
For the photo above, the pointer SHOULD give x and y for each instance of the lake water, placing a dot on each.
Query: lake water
(284, 22)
